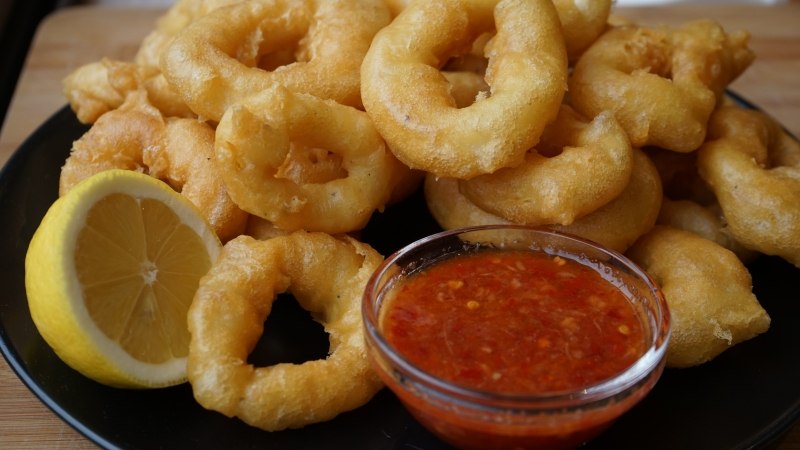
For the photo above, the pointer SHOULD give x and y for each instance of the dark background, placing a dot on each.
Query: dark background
(18, 22)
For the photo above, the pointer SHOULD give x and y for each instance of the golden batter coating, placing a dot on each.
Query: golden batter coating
(708, 291)
(327, 276)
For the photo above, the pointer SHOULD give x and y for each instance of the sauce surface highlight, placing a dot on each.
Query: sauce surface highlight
(514, 322)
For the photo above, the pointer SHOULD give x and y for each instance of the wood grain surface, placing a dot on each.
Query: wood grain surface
(78, 35)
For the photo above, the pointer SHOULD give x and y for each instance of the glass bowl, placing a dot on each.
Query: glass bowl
(469, 417)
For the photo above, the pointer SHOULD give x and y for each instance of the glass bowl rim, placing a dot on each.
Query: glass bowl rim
(648, 363)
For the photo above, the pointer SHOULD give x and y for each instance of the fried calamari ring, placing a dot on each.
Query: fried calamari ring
(616, 225)
(662, 84)
(708, 291)
(633, 213)
(96, 88)
(99, 87)
(705, 221)
(253, 140)
(409, 99)
(215, 61)
(102, 86)
(176, 18)
(577, 167)
(226, 319)
(89, 92)
(689, 204)
(451, 209)
(115, 141)
(186, 162)
(753, 167)
(582, 22)
(180, 151)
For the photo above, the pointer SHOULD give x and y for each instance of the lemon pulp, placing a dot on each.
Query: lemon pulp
(111, 273)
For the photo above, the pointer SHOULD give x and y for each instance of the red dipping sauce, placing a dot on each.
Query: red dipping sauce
(514, 322)
(510, 337)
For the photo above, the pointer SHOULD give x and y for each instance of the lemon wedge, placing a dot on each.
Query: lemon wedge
(110, 274)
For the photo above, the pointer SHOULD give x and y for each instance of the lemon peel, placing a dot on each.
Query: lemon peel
(110, 273)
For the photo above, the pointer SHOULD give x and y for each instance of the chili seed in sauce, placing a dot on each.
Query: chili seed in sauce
(514, 321)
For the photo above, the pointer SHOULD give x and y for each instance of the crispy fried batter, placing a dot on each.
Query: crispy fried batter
(327, 277)
(215, 61)
(616, 225)
(136, 136)
(661, 83)
(753, 167)
(411, 103)
(708, 291)
(577, 167)
(255, 137)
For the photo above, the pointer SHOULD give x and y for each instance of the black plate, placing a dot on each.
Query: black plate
(745, 398)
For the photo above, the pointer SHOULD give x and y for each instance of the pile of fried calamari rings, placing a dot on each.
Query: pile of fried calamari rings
(290, 123)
